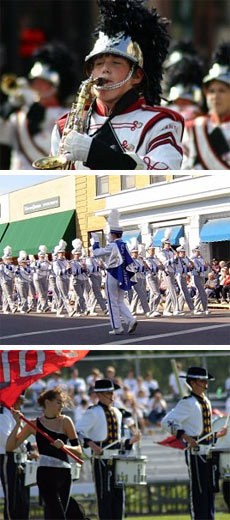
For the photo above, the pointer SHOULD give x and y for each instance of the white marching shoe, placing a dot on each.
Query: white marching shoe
(116, 331)
(154, 314)
(132, 326)
(167, 313)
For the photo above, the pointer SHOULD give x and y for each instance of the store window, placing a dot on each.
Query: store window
(102, 185)
(157, 178)
(127, 182)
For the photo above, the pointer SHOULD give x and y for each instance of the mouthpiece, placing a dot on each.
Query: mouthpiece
(100, 82)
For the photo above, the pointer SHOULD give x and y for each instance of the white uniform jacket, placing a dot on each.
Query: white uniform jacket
(93, 424)
(187, 417)
(61, 268)
(27, 148)
(151, 136)
(40, 269)
(166, 257)
(7, 272)
(206, 145)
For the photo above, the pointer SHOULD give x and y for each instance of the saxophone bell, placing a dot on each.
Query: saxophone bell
(73, 121)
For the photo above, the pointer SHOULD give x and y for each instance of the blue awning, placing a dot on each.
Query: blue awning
(131, 233)
(176, 233)
(215, 230)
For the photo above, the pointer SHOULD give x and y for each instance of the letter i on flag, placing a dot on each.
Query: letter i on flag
(20, 368)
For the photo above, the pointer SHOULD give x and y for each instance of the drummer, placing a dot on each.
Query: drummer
(190, 421)
(101, 426)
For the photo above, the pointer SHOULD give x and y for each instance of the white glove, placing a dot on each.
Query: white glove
(76, 146)
(94, 238)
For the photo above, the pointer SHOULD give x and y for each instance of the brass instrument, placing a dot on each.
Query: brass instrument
(73, 122)
(9, 84)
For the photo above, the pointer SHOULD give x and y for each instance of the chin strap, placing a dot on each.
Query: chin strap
(116, 85)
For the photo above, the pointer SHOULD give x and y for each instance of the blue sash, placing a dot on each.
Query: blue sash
(120, 273)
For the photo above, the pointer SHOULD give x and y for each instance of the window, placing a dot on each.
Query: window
(127, 182)
(102, 184)
(157, 178)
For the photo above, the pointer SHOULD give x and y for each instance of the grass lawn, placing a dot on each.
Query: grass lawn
(218, 516)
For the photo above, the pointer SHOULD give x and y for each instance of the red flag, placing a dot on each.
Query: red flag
(173, 442)
(215, 411)
(20, 368)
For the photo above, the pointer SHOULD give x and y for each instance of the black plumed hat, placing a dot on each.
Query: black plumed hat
(56, 63)
(126, 28)
(184, 73)
(220, 67)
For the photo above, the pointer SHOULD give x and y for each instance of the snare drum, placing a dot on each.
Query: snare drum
(222, 448)
(31, 472)
(130, 471)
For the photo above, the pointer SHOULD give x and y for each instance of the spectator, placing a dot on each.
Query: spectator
(226, 287)
(173, 382)
(110, 372)
(215, 266)
(150, 383)
(211, 285)
(140, 385)
(157, 408)
(130, 380)
(35, 390)
(93, 377)
(56, 380)
(80, 409)
(75, 384)
(190, 285)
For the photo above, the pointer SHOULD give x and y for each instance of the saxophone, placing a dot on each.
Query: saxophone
(73, 122)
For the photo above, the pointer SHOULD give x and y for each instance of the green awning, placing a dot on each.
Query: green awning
(3, 228)
(48, 230)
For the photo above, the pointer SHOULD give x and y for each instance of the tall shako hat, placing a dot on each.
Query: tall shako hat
(196, 248)
(7, 253)
(77, 246)
(182, 245)
(54, 62)
(184, 73)
(42, 250)
(198, 373)
(112, 225)
(166, 237)
(105, 385)
(220, 68)
(22, 257)
(61, 247)
(133, 245)
(127, 29)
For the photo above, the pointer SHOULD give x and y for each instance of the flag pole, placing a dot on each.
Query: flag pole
(80, 461)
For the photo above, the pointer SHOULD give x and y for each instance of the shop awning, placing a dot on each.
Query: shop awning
(48, 230)
(131, 233)
(176, 233)
(3, 228)
(215, 230)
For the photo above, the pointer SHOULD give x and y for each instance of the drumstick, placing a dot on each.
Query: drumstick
(46, 435)
(112, 444)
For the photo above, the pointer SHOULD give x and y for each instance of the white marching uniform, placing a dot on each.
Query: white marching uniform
(96, 281)
(116, 271)
(153, 282)
(139, 289)
(182, 268)
(23, 276)
(150, 135)
(62, 271)
(166, 257)
(206, 145)
(26, 148)
(79, 279)
(198, 276)
(41, 282)
(7, 276)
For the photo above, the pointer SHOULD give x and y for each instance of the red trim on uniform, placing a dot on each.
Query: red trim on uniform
(163, 139)
(162, 114)
(61, 122)
(205, 126)
(224, 119)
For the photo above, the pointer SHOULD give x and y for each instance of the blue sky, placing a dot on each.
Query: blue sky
(12, 182)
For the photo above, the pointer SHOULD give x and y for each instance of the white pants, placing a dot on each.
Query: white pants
(117, 307)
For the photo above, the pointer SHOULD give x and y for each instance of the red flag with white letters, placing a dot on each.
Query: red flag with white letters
(20, 368)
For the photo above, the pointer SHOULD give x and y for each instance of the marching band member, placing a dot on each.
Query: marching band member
(182, 268)
(139, 289)
(206, 140)
(40, 279)
(198, 275)
(94, 271)
(166, 257)
(56, 303)
(100, 426)
(23, 275)
(61, 269)
(152, 268)
(79, 277)
(54, 470)
(33, 105)
(183, 80)
(124, 128)
(12, 466)
(120, 271)
(189, 421)
(7, 276)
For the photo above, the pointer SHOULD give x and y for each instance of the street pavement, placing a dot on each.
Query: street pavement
(48, 329)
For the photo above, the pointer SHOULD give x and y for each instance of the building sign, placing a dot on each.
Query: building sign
(41, 205)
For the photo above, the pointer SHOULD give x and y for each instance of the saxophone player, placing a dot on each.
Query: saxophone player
(34, 104)
(124, 128)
